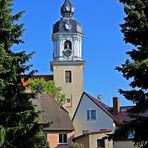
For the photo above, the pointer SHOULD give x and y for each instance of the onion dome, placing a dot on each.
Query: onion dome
(67, 24)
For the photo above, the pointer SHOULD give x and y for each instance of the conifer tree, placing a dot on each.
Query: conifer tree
(135, 69)
(19, 120)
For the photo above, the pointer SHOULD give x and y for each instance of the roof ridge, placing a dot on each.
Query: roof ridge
(98, 100)
(98, 104)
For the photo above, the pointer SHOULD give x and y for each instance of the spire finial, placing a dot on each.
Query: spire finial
(67, 9)
(67, 1)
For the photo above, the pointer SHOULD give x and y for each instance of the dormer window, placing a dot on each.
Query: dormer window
(67, 45)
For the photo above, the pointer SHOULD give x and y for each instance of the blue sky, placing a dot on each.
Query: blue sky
(103, 45)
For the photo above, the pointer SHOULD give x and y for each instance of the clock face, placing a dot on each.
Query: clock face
(67, 26)
(67, 8)
(67, 52)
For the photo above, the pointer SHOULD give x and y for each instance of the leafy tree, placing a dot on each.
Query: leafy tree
(19, 120)
(49, 87)
(135, 69)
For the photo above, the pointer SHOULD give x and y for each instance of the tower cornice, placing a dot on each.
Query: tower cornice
(66, 63)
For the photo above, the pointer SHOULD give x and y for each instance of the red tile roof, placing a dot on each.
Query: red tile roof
(45, 77)
(121, 116)
(103, 106)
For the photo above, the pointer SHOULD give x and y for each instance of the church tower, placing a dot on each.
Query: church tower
(67, 64)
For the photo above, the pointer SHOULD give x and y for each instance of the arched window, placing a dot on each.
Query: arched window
(67, 45)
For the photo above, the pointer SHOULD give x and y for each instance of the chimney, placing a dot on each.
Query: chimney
(116, 105)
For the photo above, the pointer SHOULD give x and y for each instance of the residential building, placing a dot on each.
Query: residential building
(92, 115)
(96, 139)
(95, 120)
(57, 126)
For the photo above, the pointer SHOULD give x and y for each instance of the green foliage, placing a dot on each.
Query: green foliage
(135, 69)
(2, 135)
(49, 87)
(76, 145)
(19, 120)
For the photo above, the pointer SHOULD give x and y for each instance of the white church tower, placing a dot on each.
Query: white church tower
(67, 64)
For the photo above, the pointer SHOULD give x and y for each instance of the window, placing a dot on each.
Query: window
(68, 100)
(62, 138)
(100, 143)
(130, 135)
(67, 45)
(91, 114)
(88, 114)
(68, 77)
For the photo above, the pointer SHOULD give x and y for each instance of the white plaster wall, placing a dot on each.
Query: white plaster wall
(103, 121)
(77, 46)
(58, 44)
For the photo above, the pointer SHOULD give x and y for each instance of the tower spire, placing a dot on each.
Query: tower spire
(67, 2)
(67, 64)
(67, 9)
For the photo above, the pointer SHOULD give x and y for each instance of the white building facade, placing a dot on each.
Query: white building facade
(90, 117)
